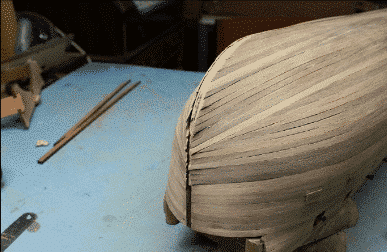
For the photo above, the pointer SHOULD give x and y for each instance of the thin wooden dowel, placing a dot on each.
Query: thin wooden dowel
(71, 135)
(97, 107)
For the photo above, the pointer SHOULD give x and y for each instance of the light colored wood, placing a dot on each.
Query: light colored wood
(29, 98)
(170, 218)
(283, 129)
(11, 106)
(28, 103)
(176, 188)
(323, 238)
(37, 82)
(175, 195)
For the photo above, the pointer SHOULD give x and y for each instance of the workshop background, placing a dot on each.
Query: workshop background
(175, 34)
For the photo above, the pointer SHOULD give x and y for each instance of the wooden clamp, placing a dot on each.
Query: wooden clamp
(23, 102)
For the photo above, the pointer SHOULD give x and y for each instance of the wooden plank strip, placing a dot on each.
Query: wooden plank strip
(287, 102)
(315, 105)
(261, 41)
(232, 216)
(189, 106)
(177, 164)
(93, 111)
(251, 56)
(335, 98)
(261, 213)
(314, 43)
(283, 189)
(236, 215)
(330, 137)
(202, 227)
(278, 93)
(199, 129)
(181, 160)
(180, 142)
(269, 233)
(352, 106)
(254, 169)
(254, 87)
(85, 124)
(11, 106)
(318, 128)
(273, 128)
(321, 140)
(321, 25)
(179, 129)
(348, 106)
(269, 167)
(251, 90)
(210, 74)
(329, 34)
(177, 170)
(182, 124)
(176, 209)
(176, 191)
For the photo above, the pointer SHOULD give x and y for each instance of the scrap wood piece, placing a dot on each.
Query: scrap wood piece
(37, 81)
(41, 143)
(25, 101)
(86, 123)
(11, 106)
(29, 104)
(94, 110)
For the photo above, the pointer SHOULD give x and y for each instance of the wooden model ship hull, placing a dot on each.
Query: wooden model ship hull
(282, 130)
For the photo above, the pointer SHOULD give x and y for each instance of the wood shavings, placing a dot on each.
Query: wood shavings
(41, 143)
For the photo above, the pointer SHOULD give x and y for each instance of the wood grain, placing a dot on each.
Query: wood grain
(86, 123)
(283, 129)
(94, 110)
(11, 106)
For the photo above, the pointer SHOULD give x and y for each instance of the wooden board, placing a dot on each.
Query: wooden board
(11, 106)
(284, 127)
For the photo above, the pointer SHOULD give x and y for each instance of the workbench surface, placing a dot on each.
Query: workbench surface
(104, 190)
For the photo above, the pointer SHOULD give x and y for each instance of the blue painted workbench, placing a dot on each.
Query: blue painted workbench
(104, 190)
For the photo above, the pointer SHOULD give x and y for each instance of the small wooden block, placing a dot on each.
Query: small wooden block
(254, 245)
(11, 106)
(347, 217)
(37, 82)
(29, 104)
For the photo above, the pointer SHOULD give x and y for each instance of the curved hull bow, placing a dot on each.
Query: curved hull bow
(282, 130)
